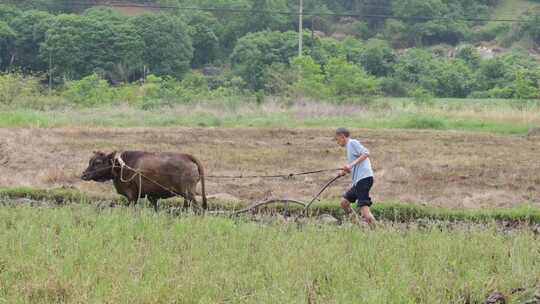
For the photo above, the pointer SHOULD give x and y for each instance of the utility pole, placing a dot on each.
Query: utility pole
(312, 28)
(50, 65)
(300, 21)
(50, 73)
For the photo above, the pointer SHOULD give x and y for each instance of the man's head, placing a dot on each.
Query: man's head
(342, 136)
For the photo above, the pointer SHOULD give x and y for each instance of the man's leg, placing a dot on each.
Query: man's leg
(348, 198)
(346, 206)
(368, 216)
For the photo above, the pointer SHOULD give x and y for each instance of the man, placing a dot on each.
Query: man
(362, 175)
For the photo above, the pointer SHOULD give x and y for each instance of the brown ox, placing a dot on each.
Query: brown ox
(137, 174)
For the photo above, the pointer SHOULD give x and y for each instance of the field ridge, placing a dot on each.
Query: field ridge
(389, 211)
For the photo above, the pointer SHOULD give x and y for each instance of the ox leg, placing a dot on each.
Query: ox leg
(186, 203)
(131, 196)
(154, 202)
(190, 196)
(130, 200)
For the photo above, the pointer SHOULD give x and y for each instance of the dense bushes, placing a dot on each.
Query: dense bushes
(154, 92)
(15, 87)
(336, 80)
(511, 76)
(348, 80)
(89, 91)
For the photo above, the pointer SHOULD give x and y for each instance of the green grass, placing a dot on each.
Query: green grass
(31, 119)
(492, 116)
(390, 211)
(77, 254)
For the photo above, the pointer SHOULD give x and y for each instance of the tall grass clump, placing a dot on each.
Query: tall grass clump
(89, 91)
(425, 122)
(17, 90)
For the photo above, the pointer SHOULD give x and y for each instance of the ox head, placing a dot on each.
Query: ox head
(99, 167)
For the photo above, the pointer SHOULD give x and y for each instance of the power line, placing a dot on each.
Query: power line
(312, 13)
(293, 13)
(160, 6)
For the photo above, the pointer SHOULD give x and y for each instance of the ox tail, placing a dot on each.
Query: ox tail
(200, 168)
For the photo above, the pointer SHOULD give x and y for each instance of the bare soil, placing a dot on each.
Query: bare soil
(451, 169)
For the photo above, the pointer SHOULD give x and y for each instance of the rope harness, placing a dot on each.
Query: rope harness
(118, 162)
(288, 176)
(241, 176)
(123, 165)
(139, 173)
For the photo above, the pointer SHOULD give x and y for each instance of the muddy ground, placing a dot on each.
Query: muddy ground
(452, 169)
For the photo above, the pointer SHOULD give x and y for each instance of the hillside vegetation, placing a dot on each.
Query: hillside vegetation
(393, 48)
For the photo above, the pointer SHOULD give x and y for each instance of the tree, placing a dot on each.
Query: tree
(449, 79)
(7, 36)
(260, 19)
(256, 51)
(234, 25)
(8, 13)
(470, 56)
(492, 73)
(100, 41)
(167, 46)
(31, 28)
(7, 45)
(501, 71)
(411, 9)
(104, 14)
(439, 31)
(278, 78)
(310, 78)
(347, 79)
(325, 49)
(46, 5)
(377, 58)
(353, 49)
(319, 21)
(440, 76)
(531, 27)
(413, 65)
(204, 31)
(395, 31)
(422, 30)
(115, 49)
(66, 45)
(525, 86)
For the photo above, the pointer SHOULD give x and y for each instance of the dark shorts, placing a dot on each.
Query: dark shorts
(360, 192)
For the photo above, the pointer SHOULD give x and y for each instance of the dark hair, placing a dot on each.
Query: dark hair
(343, 131)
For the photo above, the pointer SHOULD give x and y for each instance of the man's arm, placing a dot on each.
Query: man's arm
(358, 150)
(360, 159)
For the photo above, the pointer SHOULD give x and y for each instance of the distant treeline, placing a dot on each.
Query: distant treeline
(256, 52)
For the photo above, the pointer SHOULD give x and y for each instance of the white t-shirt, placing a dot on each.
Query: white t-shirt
(363, 169)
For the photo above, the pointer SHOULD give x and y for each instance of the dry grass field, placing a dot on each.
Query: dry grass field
(436, 168)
